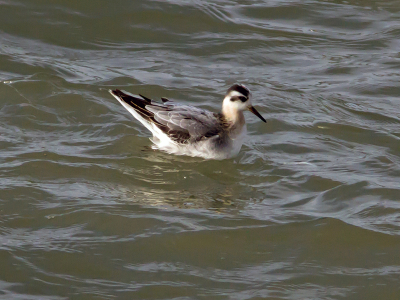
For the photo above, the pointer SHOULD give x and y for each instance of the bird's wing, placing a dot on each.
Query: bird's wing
(187, 123)
(181, 123)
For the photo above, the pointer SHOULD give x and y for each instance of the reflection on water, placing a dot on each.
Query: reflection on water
(309, 209)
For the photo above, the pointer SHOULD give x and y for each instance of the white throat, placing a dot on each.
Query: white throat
(233, 114)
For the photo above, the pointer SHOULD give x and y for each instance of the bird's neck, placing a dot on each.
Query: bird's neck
(234, 117)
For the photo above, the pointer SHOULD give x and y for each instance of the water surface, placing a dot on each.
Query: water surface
(309, 209)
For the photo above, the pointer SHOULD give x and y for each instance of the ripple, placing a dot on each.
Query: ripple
(89, 211)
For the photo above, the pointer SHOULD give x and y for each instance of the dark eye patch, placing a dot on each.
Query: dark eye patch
(239, 98)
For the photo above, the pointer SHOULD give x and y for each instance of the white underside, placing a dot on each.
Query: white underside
(203, 149)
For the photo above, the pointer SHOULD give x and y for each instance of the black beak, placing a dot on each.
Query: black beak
(254, 111)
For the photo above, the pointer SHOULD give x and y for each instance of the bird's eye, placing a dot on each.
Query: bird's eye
(237, 98)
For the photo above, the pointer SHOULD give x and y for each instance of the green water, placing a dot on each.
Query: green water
(309, 209)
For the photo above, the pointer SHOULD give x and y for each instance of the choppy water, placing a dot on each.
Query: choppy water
(310, 209)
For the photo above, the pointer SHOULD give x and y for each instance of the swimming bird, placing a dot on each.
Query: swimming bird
(187, 130)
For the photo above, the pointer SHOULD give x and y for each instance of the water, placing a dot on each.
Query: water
(309, 209)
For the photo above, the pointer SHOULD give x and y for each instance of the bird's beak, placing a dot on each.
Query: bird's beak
(254, 111)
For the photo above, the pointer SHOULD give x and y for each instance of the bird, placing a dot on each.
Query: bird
(188, 130)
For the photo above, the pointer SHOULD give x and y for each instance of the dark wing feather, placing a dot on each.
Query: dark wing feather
(181, 123)
(139, 105)
(145, 98)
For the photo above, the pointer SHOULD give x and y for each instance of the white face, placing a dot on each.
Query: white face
(237, 101)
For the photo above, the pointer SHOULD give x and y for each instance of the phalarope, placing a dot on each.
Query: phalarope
(187, 130)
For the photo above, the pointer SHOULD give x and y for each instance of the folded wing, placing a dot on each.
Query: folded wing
(183, 124)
